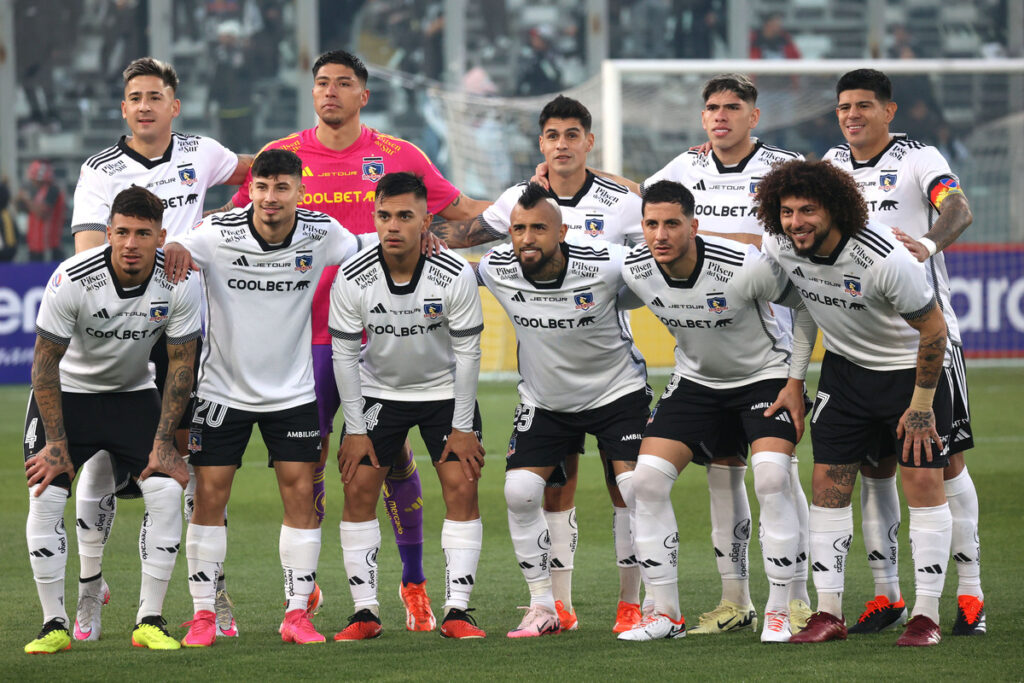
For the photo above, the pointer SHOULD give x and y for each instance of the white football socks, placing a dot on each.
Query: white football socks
(657, 533)
(730, 530)
(48, 548)
(831, 530)
(798, 587)
(95, 507)
(963, 505)
(880, 524)
(622, 537)
(524, 496)
(778, 523)
(931, 529)
(159, 542)
(205, 549)
(564, 537)
(360, 543)
(461, 543)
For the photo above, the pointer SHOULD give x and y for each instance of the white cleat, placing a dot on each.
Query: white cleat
(539, 621)
(87, 617)
(656, 627)
(776, 627)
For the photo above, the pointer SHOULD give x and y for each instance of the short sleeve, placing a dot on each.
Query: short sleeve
(934, 177)
(762, 278)
(58, 309)
(903, 281)
(632, 220)
(344, 320)
(673, 171)
(466, 318)
(341, 244)
(185, 322)
(498, 215)
(92, 205)
(201, 241)
(223, 161)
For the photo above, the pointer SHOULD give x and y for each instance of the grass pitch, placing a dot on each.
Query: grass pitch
(254, 581)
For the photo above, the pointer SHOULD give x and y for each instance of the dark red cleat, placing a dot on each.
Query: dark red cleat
(921, 632)
(821, 627)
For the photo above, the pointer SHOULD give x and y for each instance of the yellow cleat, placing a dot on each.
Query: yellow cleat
(52, 639)
(151, 632)
(799, 613)
(727, 617)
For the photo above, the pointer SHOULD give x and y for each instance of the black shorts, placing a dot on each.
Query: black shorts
(123, 423)
(388, 423)
(717, 423)
(158, 357)
(963, 436)
(856, 411)
(542, 438)
(218, 434)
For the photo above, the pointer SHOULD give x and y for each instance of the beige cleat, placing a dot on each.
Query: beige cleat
(727, 617)
(799, 613)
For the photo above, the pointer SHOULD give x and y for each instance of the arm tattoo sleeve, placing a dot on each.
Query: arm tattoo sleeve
(177, 388)
(955, 218)
(46, 386)
(462, 234)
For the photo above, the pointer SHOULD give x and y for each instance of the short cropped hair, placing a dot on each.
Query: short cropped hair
(563, 107)
(831, 187)
(137, 202)
(669, 192)
(866, 79)
(275, 162)
(345, 59)
(148, 66)
(395, 184)
(738, 84)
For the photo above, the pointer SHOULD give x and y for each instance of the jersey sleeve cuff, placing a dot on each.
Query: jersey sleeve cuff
(84, 227)
(464, 333)
(51, 337)
(347, 336)
(185, 339)
(921, 312)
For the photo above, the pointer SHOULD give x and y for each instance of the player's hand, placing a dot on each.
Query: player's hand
(919, 251)
(467, 448)
(355, 447)
(177, 262)
(791, 399)
(431, 244)
(165, 458)
(48, 464)
(704, 149)
(540, 175)
(917, 429)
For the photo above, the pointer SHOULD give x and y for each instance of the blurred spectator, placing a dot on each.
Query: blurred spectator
(231, 88)
(8, 230)
(771, 41)
(903, 45)
(699, 23)
(45, 205)
(124, 23)
(539, 72)
(39, 49)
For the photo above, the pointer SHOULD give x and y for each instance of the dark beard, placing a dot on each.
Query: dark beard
(811, 250)
(533, 269)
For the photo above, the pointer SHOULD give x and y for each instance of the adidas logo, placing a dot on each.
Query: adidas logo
(875, 555)
(780, 561)
(961, 557)
(700, 185)
(102, 313)
(961, 435)
(802, 557)
(171, 548)
(307, 172)
(650, 563)
(42, 552)
(556, 563)
(719, 553)
(783, 417)
(798, 272)
(379, 308)
(525, 565)
(82, 524)
(307, 577)
(355, 581)
(518, 296)
(819, 567)
(466, 580)
(930, 569)
(199, 577)
(241, 261)
(657, 302)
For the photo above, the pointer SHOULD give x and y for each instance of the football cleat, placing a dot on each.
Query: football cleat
(202, 630)
(920, 632)
(627, 616)
(459, 623)
(821, 627)
(152, 632)
(538, 621)
(566, 619)
(776, 627)
(87, 617)
(315, 602)
(728, 616)
(799, 613)
(224, 607)
(52, 639)
(418, 616)
(656, 627)
(297, 628)
(362, 625)
(880, 614)
(970, 616)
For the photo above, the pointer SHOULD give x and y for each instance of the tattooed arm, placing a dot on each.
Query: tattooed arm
(54, 459)
(177, 388)
(956, 216)
(220, 209)
(461, 234)
(917, 426)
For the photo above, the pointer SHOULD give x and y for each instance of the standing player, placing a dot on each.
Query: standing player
(580, 372)
(712, 294)
(101, 313)
(260, 266)
(419, 367)
(342, 162)
(885, 342)
(910, 185)
(179, 169)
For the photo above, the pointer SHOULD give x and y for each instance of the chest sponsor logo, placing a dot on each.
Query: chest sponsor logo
(158, 312)
(887, 181)
(584, 301)
(113, 168)
(851, 285)
(594, 226)
(304, 262)
(188, 175)
(373, 168)
(717, 303)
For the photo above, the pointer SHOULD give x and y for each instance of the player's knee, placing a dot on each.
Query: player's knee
(624, 482)
(653, 478)
(771, 473)
(524, 492)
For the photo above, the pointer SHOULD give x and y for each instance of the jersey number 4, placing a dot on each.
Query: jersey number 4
(372, 416)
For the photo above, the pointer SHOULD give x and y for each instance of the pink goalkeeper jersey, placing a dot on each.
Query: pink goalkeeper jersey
(342, 184)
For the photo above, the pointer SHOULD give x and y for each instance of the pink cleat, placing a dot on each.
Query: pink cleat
(202, 630)
(539, 621)
(297, 628)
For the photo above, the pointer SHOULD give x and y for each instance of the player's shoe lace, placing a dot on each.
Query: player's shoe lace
(538, 621)
(362, 625)
(459, 623)
(297, 628)
(202, 630)
(727, 617)
(87, 616)
(880, 614)
(53, 638)
(566, 618)
(799, 613)
(970, 616)
(418, 615)
(152, 632)
(920, 632)
(776, 627)
(656, 627)
(627, 616)
(224, 607)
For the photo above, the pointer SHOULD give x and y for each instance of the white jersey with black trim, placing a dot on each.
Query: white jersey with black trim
(189, 167)
(904, 186)
(256, 355)
(413, 330)
(575, 349)
(860, 296)
(724, 194)
(109, 330)
(723, 305)
(601, 210)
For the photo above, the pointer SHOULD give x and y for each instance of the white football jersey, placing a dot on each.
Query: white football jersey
(904, 186)
(722, 305)
(110, 331)
(256, 355)
(416, 333)
(724, 194)
(180, 178)
(601, 210)
(575, 350)
(860, 296)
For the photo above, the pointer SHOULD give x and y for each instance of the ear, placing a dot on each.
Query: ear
(693, 227)
(890, 111)
(124, 110)
(177, 108)
(590, 141)
(755, 116)
(161, 236)
(562, 232)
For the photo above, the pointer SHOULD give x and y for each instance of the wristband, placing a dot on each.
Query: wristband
(929, 244)
(922, 399)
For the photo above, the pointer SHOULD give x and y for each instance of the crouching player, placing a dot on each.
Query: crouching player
(419, 367)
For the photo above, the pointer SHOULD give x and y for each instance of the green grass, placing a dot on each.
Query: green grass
(254, 579)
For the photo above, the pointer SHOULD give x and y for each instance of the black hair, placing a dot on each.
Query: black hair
(275, 162)
(345, 59)
(738, 84)
(563, 107)
(395, 184)
(138, 202)
(669, 192)
(532, 195)
(148, 66)
(866, 79)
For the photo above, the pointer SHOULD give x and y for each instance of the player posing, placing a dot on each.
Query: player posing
(885, 341)
(342, 162)
(179, 169)
(92, 389)
(906, 183)
(712, 294)
(260, 265)
(419, 367)
(580, 374)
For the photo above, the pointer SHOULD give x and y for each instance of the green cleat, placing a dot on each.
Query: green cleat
(151, 632)
(52, 639)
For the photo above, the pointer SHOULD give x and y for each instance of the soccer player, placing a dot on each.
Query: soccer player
(910, 185)
(260, 265)
(883, 388)
(178, 169)
(580, 373)
(419, 367)
(342, 162)
(592, 208)
(92, 389)
(712, 294)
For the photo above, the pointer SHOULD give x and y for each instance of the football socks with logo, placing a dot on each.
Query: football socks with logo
(159, 542)
(403, 500)
(657, 533)
(963, 505)
(47, 548)
(798, 587)
(779, 525)
(730, 530)
(622, 536)
(205, 549)
(300, 555)
(95, 507)
(524, 495)
(461, 543)
(831, 530)
(564, 537)
(360, 543)
(931, 529)
(880, 522)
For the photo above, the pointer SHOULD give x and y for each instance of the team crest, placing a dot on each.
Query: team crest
(584, 301)
(433, 310)
(511, 447)
(187, 175)
(373, 168)
(157, 313)
(717, 303)
(851, 285)
(303, 262)
(594, 226)
(887, 181)
(752, 189)
(195, 441)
